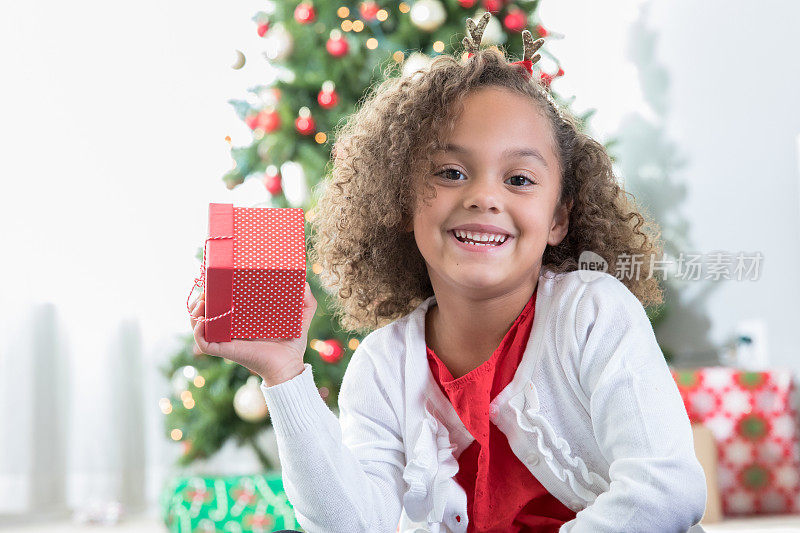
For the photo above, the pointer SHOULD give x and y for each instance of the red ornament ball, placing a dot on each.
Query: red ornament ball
(327, 99)
(304, 13)
(337, 46)
(541, 31)
(262, 28)
(267, 120)
(516, 20)
(369, 10)
(466, 4)
(272, 182)
(305, 125)
(332, 352)
(493, 6)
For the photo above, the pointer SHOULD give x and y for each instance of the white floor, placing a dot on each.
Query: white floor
(777, 524)
(130, 525)
(773, 524)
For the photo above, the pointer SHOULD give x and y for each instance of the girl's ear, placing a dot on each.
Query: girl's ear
(558, 230)
(408, 225)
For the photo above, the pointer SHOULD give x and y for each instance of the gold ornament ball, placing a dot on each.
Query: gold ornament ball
(239, 61)
(428, 15)
(249, 403)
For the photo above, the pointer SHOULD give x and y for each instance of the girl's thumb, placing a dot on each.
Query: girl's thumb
(309, 306)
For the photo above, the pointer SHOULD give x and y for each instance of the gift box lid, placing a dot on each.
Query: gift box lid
(265, 238)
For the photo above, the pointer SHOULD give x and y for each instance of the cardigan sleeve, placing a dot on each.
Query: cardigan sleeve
(638, 419)
(345, 474)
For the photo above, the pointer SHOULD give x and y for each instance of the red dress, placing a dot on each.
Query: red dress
(502, 494)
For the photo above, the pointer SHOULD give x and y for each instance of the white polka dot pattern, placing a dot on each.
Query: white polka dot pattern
(256, 284)
(269, 272)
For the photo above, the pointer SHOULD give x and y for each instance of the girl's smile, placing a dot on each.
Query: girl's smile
(485, 243)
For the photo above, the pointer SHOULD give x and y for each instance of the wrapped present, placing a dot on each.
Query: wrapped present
(753, 419)
(254, 274)
(254, 502)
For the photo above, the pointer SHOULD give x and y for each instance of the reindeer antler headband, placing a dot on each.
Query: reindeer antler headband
(472, 42)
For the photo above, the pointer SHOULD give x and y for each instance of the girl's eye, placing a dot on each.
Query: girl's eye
(445, 171)
(524, 178)
(456, 171)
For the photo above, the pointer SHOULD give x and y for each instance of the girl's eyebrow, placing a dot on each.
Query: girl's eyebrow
(510, 152)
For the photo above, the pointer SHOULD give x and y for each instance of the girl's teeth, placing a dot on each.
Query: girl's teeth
(479, 240)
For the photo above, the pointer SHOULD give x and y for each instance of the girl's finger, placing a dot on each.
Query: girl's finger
(199, 335)
(197, 300)
(199, 309)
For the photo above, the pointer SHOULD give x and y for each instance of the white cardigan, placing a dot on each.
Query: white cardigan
(592, 411)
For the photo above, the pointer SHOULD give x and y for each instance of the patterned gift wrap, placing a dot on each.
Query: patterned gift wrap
(753, 418)
(255, 275)
(230, 504)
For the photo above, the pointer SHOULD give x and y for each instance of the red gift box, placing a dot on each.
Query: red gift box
(753, 419)
(255, 274)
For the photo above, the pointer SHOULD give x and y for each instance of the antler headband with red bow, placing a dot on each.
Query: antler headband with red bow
(472, 42)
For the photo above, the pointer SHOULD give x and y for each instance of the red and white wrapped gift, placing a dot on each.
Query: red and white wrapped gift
(254, 273)
(753, 418)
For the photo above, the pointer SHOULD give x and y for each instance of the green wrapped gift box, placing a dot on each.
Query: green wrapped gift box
(195, 504)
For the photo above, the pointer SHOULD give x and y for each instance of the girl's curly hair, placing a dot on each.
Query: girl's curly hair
(357, 225)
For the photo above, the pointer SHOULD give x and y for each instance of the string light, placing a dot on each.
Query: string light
(343, 12)
(176, 434)
(320, 137)
(403, 7)
(353, 343)
(316, 268)
(372, 43)
(382, 15)
(199, 381)
(165, 405)
(347, 25)
(398, 56)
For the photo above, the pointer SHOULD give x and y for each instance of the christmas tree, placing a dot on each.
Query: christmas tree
(328, 54)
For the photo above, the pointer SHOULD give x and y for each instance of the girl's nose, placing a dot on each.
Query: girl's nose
(483, 195)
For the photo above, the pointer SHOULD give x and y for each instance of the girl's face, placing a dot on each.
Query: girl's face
(500, 169)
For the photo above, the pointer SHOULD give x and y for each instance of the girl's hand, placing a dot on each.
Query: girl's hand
(275, 360)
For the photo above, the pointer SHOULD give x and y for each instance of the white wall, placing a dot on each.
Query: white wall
(735, 113)
(113, 119)
(734, 116)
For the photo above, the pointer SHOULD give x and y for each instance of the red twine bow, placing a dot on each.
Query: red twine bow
(201, 282)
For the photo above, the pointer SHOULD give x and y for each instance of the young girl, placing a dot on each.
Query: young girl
(502, 388)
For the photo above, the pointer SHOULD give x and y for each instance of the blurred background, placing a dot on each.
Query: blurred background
(120, 123)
